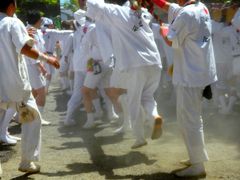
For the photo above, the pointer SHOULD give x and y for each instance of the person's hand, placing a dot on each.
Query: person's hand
(163, 30)
(31, 31)
(53, 61)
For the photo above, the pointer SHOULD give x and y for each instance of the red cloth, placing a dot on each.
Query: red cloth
(160, 3)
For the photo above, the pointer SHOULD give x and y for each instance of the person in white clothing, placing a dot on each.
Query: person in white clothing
(5, 136)
(224, 60)
(36, 69)
(97, 76)
(137, 54)
(194, 70)
(52, 37)
(230, 70)
(66, 71)
(15, 89)
(79, 66)
(118, 89)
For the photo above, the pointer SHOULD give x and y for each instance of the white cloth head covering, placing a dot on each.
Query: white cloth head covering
(236, 19)
(46, 21)
(80, 16)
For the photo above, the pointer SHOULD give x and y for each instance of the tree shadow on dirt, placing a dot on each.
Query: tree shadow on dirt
(22, 177)
(102, 163)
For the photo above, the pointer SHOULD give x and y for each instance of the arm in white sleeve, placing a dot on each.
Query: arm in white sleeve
(179, 30)
(20, 35)
(59, 34)
(111, 13)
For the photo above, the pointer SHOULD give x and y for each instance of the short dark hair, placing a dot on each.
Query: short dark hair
(119, 2)
(33, 17)
(5, 3)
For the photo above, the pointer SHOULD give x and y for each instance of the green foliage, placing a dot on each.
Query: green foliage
(50, 8)
(71, 5)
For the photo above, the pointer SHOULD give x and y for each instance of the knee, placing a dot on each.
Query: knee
(41, 92)
(111, 93)
(86, 92)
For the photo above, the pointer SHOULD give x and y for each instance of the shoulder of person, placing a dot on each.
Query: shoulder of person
(14, 21)
(188, 12)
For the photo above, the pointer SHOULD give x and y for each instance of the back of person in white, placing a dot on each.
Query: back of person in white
(137, 53)
(15, 88)
(194, 68)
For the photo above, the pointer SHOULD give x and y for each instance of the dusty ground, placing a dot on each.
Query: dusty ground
(74, 153)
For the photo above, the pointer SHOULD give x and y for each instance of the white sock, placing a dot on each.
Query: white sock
(97, 105)
(41, 109)
(6, 120)
(123, 100)
(232, 100)
(90, 117)
(222, 102)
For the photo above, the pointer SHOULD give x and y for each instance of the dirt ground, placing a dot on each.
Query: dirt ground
(73, 153)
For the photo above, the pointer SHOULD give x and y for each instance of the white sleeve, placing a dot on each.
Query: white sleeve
(110, 13)
(179, 30)
(172, 12)
(156, 30)
(59, 35)
(19, 34)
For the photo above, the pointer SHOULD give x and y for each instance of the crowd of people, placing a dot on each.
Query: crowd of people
(116, 54)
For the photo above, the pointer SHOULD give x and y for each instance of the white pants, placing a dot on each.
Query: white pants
(142, 82)
(31, 135)
(118, 79)
(5, 121)
(189, 109)
(76, 98)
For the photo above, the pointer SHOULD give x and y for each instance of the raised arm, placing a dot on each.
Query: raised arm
(34, 54)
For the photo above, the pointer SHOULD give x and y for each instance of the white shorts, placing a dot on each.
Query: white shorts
(118, 79)
(37, 80)
(100, 80)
